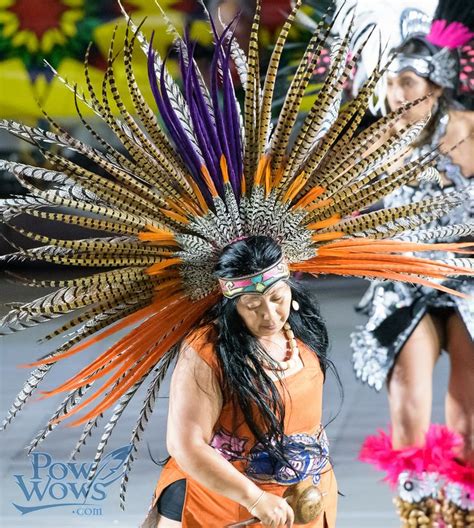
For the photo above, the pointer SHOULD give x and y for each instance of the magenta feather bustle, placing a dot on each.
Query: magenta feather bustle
(440, 446)
(449, 35)
(453, 24)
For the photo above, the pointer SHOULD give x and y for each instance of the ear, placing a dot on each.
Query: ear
(438, 91)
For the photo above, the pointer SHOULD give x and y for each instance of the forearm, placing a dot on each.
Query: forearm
(209, 468)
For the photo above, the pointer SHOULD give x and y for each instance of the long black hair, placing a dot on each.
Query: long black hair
(244, 380)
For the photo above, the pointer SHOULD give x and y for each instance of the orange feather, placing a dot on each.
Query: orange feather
(199, 196)
(125, 349)
(325, 223)
(268, 180)
(261, 167)
(159, 266)
(224, 169)
(319, 204)
(175, 216)
(153, 353)
(327, 236)
(314, 193)
(209, 182)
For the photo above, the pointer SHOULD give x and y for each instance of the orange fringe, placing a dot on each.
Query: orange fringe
(382, 259)
(374, 245)
(123, 351)
(126, 321)
(400, 277)
(279, 175)
(199, 196)
(268, 180)
(296, 186)
(155, 234)
(320, 204)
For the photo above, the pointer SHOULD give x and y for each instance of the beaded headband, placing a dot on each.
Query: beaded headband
(255, 283)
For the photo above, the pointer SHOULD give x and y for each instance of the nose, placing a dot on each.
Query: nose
(268, 312)
(399, 95)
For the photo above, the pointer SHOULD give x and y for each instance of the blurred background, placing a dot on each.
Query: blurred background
(41, 37)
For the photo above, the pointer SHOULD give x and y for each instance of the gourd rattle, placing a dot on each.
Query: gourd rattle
(305, 500)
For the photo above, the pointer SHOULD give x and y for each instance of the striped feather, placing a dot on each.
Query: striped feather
(291, 104)
(62, 410)
(343, 155)
(163, 150)
(270, 78)
(30, 385)
(329, 96)
(401, 217)
(106, 312)
(450, 232)
(85, 435)
(314, 160)
(252, 101)
(144, 416)
(110, 426)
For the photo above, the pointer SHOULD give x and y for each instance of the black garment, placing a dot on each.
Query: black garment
(171, 501)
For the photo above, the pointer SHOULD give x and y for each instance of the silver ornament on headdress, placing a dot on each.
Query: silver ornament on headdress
(440, 68)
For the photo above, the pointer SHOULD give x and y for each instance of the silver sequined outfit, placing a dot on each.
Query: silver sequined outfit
(395, 309)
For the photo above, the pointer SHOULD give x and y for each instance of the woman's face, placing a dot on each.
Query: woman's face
(407, 86)
(265, 314)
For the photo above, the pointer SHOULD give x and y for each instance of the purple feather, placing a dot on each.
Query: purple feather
(220, 122)
(174, 127)
(232, 118)
(203, 125)
(215, 135)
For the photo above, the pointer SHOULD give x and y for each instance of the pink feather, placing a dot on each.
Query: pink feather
(440, 445)
(459, 473)
(450, 35)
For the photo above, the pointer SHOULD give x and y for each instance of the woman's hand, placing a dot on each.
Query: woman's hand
(274, 511)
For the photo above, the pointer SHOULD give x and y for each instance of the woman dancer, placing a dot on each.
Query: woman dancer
(248, 424)
(409, 326)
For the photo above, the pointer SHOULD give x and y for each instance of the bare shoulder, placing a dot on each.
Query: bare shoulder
(194, 372)
(460, 134)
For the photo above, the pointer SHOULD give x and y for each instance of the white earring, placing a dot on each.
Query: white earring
(295, 305)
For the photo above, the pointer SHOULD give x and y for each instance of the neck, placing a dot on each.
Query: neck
(276, 345)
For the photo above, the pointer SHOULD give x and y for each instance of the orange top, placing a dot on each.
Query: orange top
(302, 395)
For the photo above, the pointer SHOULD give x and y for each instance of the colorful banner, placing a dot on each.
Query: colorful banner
(33, 32)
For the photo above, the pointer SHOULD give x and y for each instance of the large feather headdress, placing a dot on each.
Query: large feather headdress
(209, 171)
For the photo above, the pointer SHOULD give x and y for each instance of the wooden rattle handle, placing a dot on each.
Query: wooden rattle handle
(242, 524)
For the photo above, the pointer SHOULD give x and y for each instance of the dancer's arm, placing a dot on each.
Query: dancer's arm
(195, 406)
